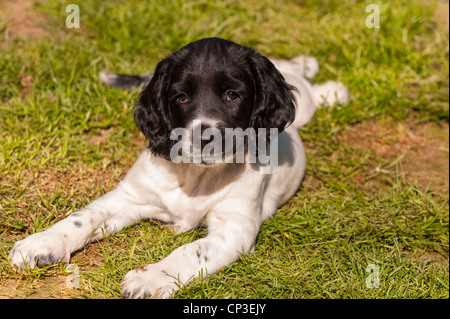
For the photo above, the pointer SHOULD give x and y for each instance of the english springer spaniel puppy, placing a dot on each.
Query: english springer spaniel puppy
(208, 113)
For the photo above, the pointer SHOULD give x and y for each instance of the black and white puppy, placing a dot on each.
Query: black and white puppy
(219, 85)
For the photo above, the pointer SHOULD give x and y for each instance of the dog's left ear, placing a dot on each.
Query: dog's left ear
(274, 101)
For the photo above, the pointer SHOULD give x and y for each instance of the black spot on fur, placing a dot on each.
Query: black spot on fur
(46, 260)
(77, 223)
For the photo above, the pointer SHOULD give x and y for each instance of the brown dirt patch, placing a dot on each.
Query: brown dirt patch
(22, 20)
(53, 287)
(421, 152)
(441, 14)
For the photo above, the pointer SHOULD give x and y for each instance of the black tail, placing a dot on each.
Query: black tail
(122, 81)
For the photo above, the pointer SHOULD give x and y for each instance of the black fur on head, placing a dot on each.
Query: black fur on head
(195, 82)
(274, 102)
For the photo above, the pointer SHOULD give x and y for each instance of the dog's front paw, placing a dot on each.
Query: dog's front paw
(149, 282)
(39, 250)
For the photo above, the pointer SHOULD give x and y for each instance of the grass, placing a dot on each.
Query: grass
(65, 140)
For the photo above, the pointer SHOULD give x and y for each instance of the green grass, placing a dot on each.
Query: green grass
(67, 140)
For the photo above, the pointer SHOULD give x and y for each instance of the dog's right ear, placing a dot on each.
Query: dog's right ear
(152, 113)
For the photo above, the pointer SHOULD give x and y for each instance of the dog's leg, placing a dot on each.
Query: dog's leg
(309, 64)
(230, 234)
(330, 93)
(302, 65)
(106, 215)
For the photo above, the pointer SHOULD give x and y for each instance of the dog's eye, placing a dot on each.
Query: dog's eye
(182, 98)
(232, 96)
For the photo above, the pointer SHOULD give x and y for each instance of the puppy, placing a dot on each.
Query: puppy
(216, 85)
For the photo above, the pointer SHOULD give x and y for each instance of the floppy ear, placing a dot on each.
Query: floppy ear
(152, 114)
(274, 101)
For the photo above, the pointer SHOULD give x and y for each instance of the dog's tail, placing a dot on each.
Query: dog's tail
(122, 81)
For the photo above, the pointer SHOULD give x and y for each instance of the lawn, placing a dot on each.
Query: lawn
(375, 194)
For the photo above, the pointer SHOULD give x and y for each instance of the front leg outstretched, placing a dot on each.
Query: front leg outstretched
(229, 236)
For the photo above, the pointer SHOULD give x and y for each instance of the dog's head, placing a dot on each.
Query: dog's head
(217, 83)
